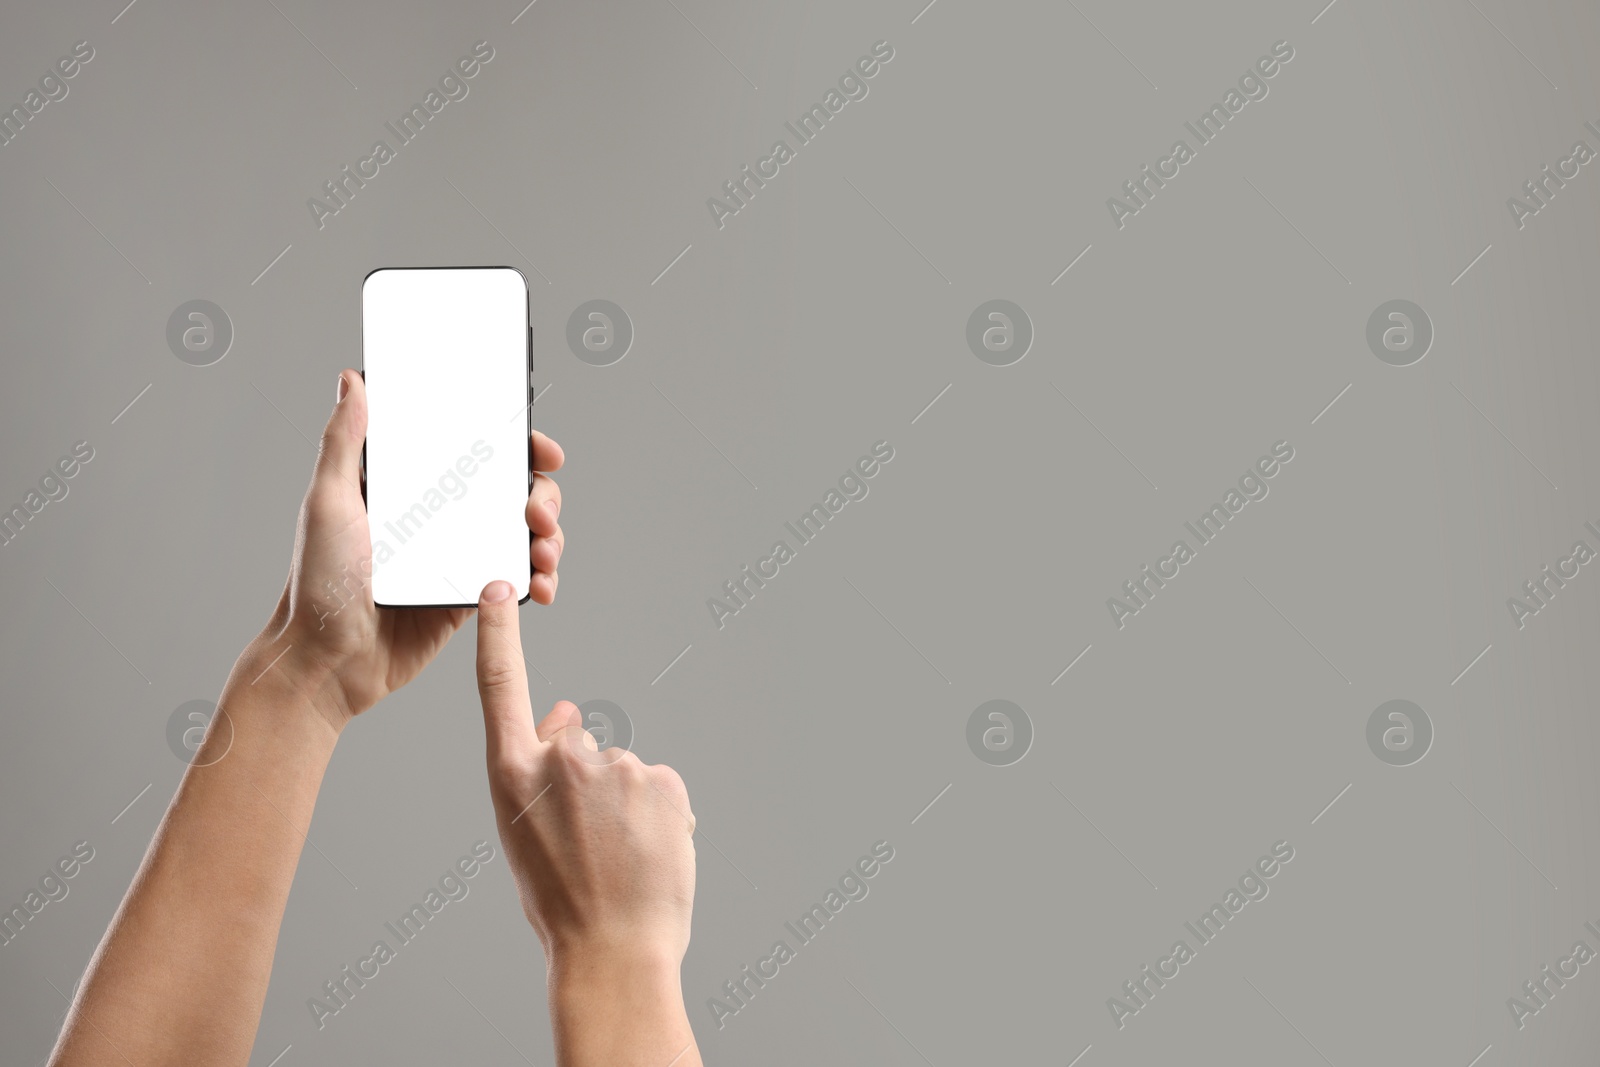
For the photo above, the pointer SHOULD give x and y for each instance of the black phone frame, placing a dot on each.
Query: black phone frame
(527, 378)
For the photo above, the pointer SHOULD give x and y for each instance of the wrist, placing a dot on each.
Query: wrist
(273, 666)
(641, 975)
(618, 1007)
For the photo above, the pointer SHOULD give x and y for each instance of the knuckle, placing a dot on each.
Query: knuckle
(508, 765)
(546, 489)
(670, 779)
(496, 673)
(569, 754)
(547, 762)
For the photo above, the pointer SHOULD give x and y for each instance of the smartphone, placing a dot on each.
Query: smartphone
(446, 356)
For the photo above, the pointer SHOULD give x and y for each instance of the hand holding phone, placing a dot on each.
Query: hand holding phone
(328, 634)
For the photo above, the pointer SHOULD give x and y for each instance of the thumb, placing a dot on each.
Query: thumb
(563, 715)
(339, 455)
(502, 677)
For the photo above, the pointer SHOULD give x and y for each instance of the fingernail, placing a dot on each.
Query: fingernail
(495, 592)
(556, 546)
(554, 505)
(338, 397)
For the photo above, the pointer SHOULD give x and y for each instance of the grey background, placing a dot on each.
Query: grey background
(1220, 720)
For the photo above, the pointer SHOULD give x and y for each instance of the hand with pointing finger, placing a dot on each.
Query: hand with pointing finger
(335, 643)
(601, 846)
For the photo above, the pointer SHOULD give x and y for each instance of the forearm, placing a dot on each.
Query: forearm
(182, 971)
(622, 1013)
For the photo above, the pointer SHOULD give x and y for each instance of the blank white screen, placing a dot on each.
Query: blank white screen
(445, 356)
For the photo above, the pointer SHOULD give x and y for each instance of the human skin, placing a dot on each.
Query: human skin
(181, 973)
(602, 847)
